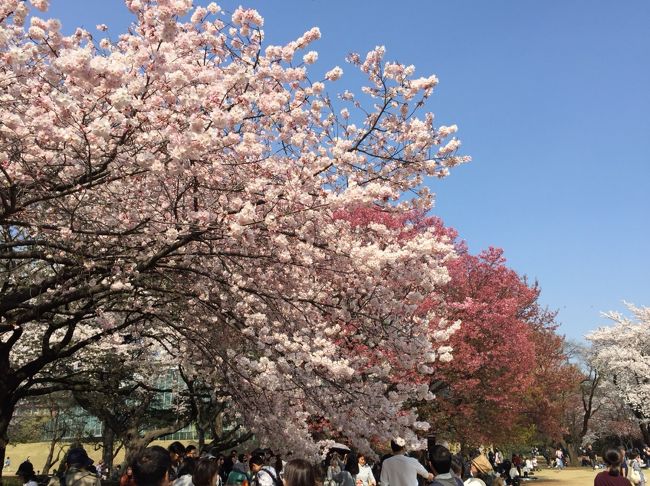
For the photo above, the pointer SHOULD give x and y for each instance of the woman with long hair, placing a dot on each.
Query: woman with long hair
(612, 476)
(127, 478)
(299, 472)
(365, 476)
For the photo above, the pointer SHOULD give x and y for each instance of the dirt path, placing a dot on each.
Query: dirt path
(571, 476)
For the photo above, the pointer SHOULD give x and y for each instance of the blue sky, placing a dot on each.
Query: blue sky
(552, 102)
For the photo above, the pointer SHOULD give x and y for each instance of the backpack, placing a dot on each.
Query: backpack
(274, 476)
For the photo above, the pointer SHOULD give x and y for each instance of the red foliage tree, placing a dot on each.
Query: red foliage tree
(509, 378)
(494, 355)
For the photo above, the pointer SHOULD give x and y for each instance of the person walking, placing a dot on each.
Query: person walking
(401, 470)
(636, 476)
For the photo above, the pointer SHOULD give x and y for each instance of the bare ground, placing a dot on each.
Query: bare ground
(571, 476)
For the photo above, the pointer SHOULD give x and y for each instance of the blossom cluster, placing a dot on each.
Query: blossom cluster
(183, 175)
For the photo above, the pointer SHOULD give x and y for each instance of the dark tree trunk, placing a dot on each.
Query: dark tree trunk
(7, 408)
(201, 433)
(645, 431)
(108, 444)
(573, 454)
(50, 454)
(133, 445)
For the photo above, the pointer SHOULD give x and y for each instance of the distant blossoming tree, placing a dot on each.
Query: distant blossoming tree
(622, 353)
(182, 176)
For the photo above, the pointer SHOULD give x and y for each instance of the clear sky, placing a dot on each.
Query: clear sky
(552, 100)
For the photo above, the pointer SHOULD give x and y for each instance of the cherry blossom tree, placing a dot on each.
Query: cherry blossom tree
(139, 402)
(183, 176)
(511, 376)
(622, 352)
(587, 402)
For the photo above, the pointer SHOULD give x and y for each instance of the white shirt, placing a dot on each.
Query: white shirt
(184, 480)
(401, 470)
(264, 477)
(474, 482)
(365, 475)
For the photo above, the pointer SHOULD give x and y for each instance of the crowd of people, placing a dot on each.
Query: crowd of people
(178, 465)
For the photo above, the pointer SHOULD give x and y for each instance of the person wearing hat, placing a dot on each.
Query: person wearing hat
(480, 469)
(26, 473)
(78, 471)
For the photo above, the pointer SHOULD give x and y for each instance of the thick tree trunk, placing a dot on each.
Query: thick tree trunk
(6, 413)
(133, 446)
(201, 433)
(573, 454)
(108, 444)
(645, 431)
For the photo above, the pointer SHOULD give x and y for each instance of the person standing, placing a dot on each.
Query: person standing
(498, 458)
(365, 475)
(480, 471)
(559, 459)
(206, 473)
(334, 467)
(636, 465)
(78, 469)
(127, 478)
(400, 470)
(624, 469)
(263, 475)
(613, 475)
(299, 472)
(176, 453)
(348, 477)
(151, 467)
(441, 463)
